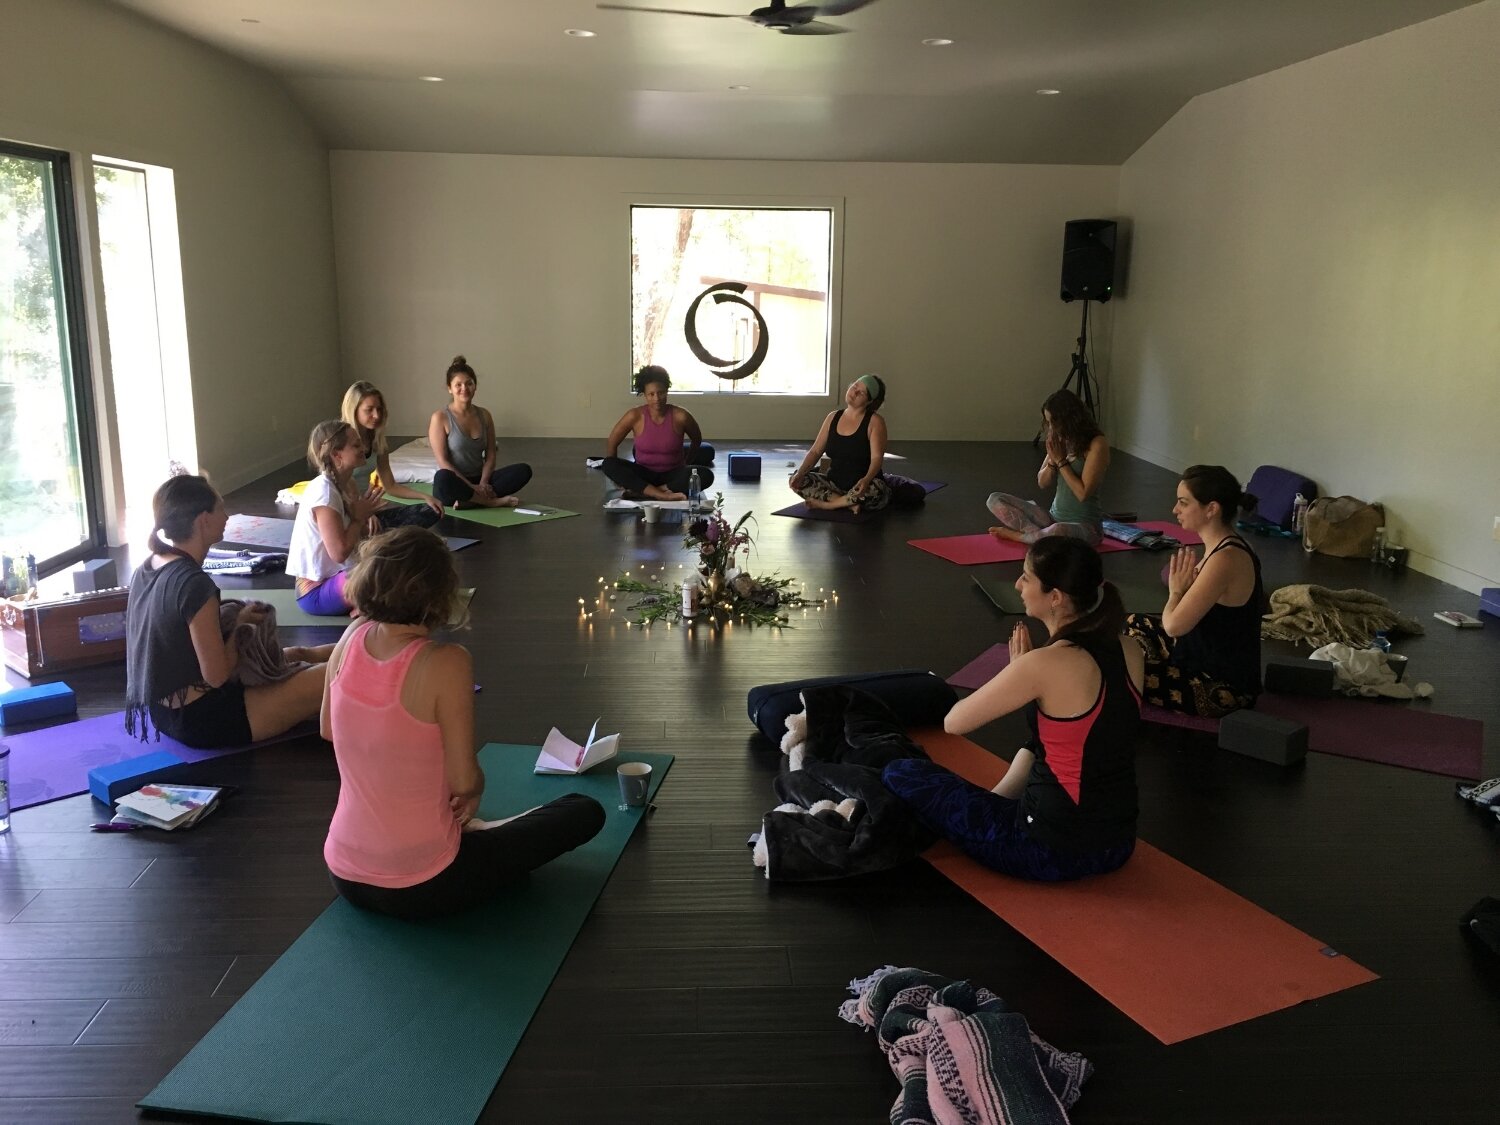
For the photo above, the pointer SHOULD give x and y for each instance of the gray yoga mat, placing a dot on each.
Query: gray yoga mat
(1140, 595)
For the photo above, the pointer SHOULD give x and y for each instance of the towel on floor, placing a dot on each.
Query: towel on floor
(962, 1055)
(1321, 616)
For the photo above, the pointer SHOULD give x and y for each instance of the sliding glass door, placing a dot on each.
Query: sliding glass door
(48, 479)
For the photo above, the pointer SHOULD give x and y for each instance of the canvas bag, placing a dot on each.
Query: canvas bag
(1342, 526)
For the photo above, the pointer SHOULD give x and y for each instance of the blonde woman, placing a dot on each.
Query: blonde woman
(364, 409)
(332, 518)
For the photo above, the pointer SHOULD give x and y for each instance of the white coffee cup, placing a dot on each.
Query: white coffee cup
(650, 513)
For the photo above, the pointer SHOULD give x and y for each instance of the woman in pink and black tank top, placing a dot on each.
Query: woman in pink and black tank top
(661, 465)
(1067, 806)
(399, 710)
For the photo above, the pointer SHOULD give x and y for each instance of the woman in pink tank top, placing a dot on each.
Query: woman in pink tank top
(399, 710)
(661, 467)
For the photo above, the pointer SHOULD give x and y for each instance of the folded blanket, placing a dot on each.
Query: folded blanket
(1320, 616)
(262, 660)
(962, 1055)
(842, 724)
(836, 821)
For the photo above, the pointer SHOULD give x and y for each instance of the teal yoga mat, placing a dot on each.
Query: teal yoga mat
(496, 517)
(289, 615)
(367, 1020)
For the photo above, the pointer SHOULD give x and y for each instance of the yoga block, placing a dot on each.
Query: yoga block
(1279, 741)
(919, 698)
(94, 574)
(744, 466)
(111, 782)
(33, 704)
(1489, 601)
(1290, 676)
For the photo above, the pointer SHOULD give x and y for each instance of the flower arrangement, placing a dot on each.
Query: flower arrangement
(725, 590)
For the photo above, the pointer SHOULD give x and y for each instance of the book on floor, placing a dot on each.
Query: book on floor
(167, 806)
(1458, 620)
(560, 754)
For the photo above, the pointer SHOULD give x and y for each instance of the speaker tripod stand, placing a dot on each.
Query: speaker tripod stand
(1079, 373)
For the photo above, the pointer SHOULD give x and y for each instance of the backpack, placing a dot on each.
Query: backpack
(1341, 526)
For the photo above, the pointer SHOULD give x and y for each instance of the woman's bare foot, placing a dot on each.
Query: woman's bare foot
(657, 492)
(477, 501)
(830, 505)
(1007, 534)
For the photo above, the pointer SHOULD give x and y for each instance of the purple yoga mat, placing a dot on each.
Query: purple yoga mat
(54, 762)
(1384, 731)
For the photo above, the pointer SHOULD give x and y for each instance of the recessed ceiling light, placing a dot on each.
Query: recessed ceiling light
(1048, 93)
(430, 78)
(578, 33)
(249, 21)
(937, 42)
(739, 87)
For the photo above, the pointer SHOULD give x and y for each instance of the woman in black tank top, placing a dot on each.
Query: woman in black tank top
(854, 479)
(1067, 806)
(1203, 651)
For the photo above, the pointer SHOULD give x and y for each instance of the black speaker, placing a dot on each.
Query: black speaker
(1088, 264)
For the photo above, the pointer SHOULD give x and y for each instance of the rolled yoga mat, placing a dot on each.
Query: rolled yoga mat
(289, 615)
(54, 762)
(495, 517)
(844, 515)
(972, 550)
(1371, 730)
(1173, 950)
(369, 1020)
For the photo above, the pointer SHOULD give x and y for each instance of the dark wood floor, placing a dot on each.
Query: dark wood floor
(696, 992)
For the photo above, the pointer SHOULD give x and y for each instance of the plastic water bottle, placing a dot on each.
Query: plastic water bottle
(1377, 546)
(695, 491)
(4, 789)
(1299, 509)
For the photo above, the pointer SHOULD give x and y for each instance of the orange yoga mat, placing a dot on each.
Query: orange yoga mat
(1175, 951)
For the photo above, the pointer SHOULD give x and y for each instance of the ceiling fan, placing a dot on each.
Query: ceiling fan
(799, 20)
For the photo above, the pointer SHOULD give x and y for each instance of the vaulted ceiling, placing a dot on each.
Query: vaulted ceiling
(657, 85)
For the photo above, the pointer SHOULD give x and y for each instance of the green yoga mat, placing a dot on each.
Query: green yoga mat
(495, 517)
(290, 616)
(1142, 595)
(368, 1020)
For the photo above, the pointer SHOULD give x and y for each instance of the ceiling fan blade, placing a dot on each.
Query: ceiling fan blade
(814, 28)
(665, 11)
(842, 7)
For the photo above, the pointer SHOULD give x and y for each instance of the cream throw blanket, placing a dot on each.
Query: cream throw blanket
(1321, 616)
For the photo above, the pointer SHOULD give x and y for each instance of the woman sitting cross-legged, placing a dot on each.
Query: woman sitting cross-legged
(661, 467)
(1077, 456)
(1066, 808)
(364, 409)
(854, 439)
(462, 437)
(1203, 651)
(180, 671)
(399, 709)
(332, 517)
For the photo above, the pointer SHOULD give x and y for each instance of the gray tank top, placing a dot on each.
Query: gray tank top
(466, 453)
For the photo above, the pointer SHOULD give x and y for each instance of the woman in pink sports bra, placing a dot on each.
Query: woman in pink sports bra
(661, 466)
(399, 710)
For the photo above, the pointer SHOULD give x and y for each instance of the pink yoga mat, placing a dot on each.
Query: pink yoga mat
(54, 762)
(1372, 730)
(972, 550)
(1173, 950)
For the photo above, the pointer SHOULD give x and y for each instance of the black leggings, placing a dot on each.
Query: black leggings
(451, 488)
(406, 515)
(635, 477)
(486, 861)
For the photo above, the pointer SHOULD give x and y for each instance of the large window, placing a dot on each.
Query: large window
(47, 478)
(775, 270)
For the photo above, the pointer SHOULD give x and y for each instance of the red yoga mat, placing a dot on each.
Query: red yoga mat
(972, 550)
(1391, 733)
(1175, 951)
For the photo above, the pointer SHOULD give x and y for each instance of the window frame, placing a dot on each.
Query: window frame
(834, 204)
(75, 315)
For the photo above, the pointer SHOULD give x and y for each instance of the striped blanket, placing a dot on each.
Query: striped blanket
(961, 1054)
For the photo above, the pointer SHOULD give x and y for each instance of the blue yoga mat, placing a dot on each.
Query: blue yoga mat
(367, 1020)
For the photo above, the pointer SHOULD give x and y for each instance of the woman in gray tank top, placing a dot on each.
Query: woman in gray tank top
(462, 437)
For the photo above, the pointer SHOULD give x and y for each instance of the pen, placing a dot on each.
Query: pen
(106, 826)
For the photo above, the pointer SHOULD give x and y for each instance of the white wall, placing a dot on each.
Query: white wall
(522, 264)
(252, 204)
(1315, 283)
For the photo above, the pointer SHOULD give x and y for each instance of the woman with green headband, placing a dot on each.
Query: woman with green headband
(854, 439)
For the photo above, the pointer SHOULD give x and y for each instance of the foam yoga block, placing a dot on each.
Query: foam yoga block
(110, 782)
(35, 703)
(744, 466)
(1279, 741)
(1290, 676)
(919, 698)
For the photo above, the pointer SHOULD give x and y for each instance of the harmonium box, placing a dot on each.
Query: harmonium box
(43, 637)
